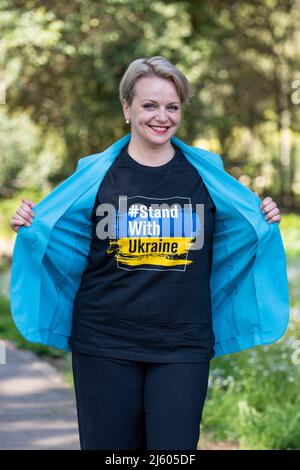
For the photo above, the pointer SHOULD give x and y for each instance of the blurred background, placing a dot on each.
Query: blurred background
(60, 67)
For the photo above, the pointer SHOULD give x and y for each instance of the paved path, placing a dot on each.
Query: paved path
(37, 409)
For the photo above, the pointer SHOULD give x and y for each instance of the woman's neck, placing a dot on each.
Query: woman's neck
(149, 155)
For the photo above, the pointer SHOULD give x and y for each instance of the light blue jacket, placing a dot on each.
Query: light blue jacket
(249, 286)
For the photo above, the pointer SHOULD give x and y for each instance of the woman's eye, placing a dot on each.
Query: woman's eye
(171, 107)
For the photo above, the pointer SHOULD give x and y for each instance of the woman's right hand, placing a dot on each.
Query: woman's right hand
(23, 215)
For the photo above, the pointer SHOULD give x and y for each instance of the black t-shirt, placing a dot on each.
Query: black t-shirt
(145, 294)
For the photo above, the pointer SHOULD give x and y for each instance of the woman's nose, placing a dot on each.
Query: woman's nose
(162, 115)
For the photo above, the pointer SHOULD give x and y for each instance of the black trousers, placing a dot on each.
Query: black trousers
(132, 405)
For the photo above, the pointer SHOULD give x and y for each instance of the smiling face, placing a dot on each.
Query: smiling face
(155, 103)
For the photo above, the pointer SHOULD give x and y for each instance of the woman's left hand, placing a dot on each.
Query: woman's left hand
(270, 209)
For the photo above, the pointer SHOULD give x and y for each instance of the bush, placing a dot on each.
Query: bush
(290, 231)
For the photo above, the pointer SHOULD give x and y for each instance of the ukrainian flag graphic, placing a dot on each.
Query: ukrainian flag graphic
(155, 233)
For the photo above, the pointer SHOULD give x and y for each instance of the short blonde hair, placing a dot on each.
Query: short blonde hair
(156, 66)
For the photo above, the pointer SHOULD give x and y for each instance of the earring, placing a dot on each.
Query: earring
(127, 121)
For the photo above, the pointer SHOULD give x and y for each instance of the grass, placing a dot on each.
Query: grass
(253, 397)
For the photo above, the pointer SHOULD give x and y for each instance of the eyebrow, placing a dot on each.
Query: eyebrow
(173, 102)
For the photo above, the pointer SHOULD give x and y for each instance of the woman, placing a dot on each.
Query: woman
(142, 330)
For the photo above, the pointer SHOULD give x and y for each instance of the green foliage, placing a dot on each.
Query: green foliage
(62, 65)
(290, 231)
